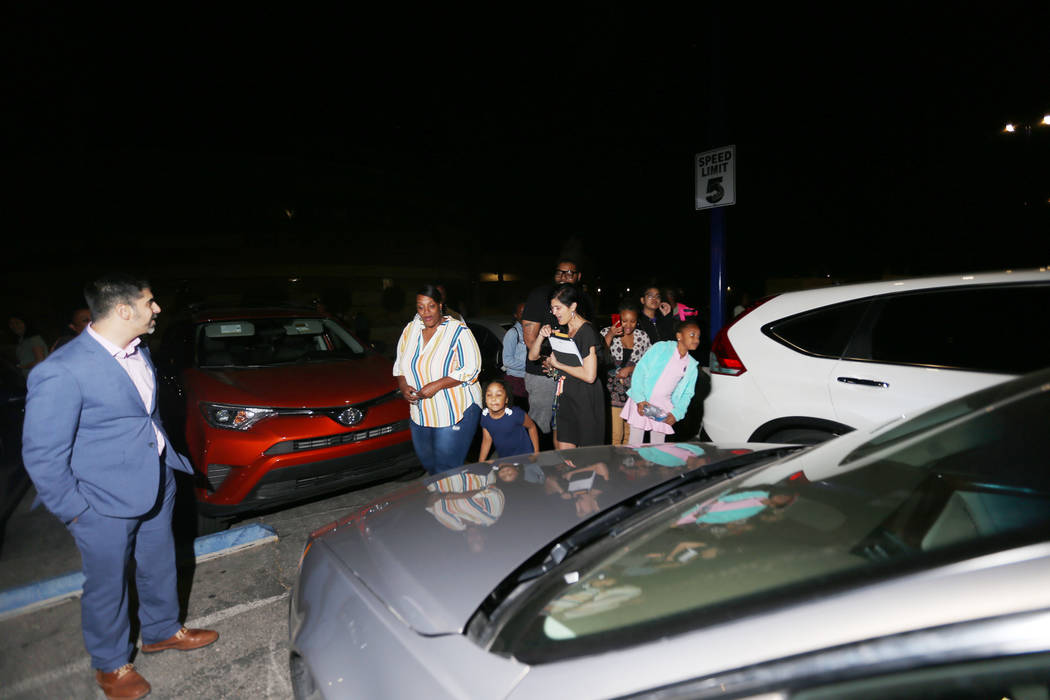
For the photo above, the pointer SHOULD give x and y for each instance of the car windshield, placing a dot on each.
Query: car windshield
(256, 342)
(969, 480)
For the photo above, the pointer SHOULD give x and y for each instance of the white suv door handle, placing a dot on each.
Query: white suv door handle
(864, 382)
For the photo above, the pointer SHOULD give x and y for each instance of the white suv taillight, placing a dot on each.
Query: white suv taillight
(724, 359)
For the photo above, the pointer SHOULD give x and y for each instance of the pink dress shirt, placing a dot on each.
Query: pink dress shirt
(134, 363)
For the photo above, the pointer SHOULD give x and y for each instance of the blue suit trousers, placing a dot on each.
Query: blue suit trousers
(107, 545)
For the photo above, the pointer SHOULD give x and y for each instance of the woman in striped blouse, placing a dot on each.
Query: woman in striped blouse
(437, 370)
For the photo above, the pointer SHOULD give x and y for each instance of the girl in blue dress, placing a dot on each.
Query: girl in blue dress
(510, 431)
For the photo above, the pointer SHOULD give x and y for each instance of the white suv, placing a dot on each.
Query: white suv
(805, 366)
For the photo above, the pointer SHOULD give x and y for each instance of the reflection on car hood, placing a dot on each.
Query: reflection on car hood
(433, 550)
(314, 384)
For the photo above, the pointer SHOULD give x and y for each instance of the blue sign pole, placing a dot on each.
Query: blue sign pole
(713, 191)
(717, 269)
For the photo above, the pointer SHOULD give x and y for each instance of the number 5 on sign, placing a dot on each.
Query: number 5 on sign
(715, 191)
(716, 178)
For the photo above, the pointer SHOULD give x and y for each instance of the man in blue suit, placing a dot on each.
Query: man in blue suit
(101, 462)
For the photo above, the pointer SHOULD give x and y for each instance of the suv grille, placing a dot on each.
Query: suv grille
(317, 443)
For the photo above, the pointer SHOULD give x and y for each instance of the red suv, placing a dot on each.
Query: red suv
(279, 404)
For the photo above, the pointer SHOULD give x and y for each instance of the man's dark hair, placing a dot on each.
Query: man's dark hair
(103, 294)
(571, 261)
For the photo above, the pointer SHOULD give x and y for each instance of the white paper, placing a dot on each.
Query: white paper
(582, 482)
(565, 346)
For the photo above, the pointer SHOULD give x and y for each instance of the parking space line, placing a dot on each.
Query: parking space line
(226, 613)
(84, 665)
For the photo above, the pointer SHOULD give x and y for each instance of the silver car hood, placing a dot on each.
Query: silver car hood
(432, 551)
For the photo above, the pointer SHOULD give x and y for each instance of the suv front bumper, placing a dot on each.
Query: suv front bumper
(299, 482)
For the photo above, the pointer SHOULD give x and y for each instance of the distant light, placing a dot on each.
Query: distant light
(1046, 120)
(1010, 128)
(967, 277)
(293, 279)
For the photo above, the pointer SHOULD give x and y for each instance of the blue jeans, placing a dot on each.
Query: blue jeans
(441, 449)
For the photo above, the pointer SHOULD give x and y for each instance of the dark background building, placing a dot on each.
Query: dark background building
(219, 149)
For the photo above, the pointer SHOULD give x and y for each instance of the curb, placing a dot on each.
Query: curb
(42, 594)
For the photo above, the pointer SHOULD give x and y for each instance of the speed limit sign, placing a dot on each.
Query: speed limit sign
(715, 178)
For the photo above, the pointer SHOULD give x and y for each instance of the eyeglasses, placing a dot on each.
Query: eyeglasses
(652, 296)
(564, 273)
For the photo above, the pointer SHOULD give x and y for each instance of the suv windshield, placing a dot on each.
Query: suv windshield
(254, 342)
(803, 525)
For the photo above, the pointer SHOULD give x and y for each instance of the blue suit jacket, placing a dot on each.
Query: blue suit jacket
(88, 440)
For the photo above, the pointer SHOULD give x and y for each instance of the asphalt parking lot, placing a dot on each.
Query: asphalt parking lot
(243, 595)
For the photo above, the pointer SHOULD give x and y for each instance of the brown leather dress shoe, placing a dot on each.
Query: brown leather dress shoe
(183, 640)
(123, 684)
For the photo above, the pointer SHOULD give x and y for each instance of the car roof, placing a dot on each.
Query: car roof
(497, 325)
(499, 321)
(861, 290)
(813, 298)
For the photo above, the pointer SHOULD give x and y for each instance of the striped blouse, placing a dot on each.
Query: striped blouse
(467, 499)
(451, 352)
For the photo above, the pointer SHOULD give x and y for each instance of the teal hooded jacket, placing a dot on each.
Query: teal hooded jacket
(648, 370)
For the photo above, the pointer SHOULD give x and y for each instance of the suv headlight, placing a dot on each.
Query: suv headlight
(230, 417)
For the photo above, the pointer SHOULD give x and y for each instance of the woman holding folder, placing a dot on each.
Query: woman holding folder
(581, 401)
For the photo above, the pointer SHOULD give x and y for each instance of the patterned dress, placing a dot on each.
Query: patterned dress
(622, 357)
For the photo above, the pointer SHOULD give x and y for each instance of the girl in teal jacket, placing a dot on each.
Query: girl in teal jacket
(662, 386)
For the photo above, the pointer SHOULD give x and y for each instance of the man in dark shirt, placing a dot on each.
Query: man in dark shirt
(656, 319)
(537, 314)
(78, 321)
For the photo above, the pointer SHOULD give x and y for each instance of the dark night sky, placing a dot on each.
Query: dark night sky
(868, 139)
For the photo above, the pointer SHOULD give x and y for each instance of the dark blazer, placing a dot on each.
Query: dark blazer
(88, 440)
